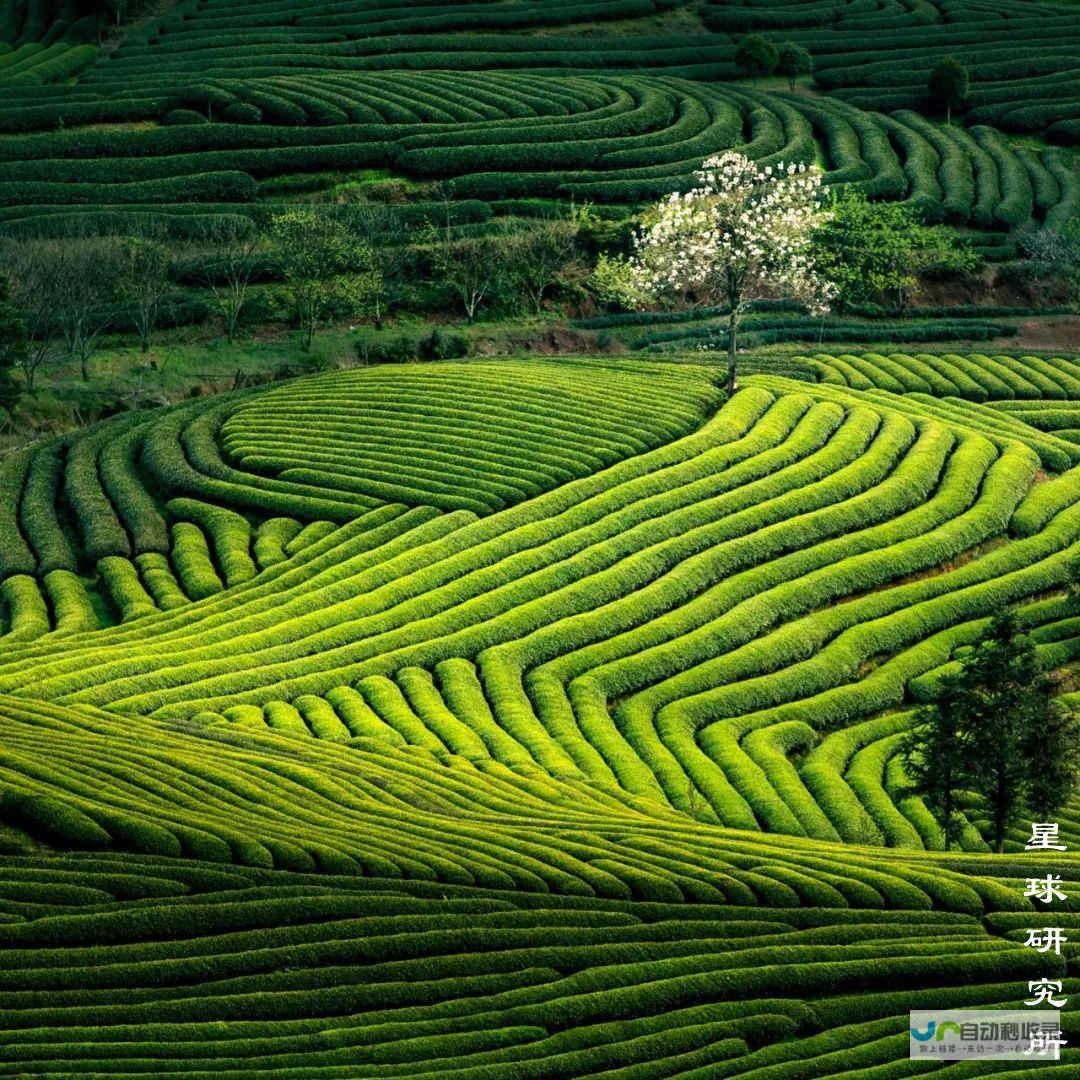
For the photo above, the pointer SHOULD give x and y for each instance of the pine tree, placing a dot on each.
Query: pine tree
(948, 85)
(12, 348)
(935, 754)
(998, 730)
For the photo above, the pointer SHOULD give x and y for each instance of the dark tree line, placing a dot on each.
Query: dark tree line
(65, 294)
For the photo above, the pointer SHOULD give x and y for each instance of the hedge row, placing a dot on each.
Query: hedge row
(619, 138)
(106, 978)
(618, 589)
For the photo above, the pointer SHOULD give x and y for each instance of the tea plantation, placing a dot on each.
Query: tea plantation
(520, 719)
(220, 108)
(538, 710)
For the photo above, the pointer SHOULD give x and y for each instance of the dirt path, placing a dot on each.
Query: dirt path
(1053, 332)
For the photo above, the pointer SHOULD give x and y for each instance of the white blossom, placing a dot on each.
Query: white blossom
(745, 232)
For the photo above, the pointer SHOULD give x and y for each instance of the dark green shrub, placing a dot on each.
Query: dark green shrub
(440, 346)
(242, 112)
(757, 56)
(397, 350)
(55, 819)
(183, 116)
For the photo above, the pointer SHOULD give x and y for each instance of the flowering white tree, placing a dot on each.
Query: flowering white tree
(744, 233)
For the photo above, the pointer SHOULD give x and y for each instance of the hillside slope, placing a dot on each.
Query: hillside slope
(599, 776)
(225, 108)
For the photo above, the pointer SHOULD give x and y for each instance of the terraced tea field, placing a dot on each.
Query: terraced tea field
(516, 719)
(226, 107)
(520, 719)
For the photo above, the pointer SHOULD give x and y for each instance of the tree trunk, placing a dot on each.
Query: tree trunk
(999, 815)
(948, 812)
(231, 313)
(732, 349)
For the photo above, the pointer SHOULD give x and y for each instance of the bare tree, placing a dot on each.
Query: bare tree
(12, 349)
(144, 284)
(235, 247)
(387, 234)
(86, 272)
(27, 265)
(473, 268)
(540, 256)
